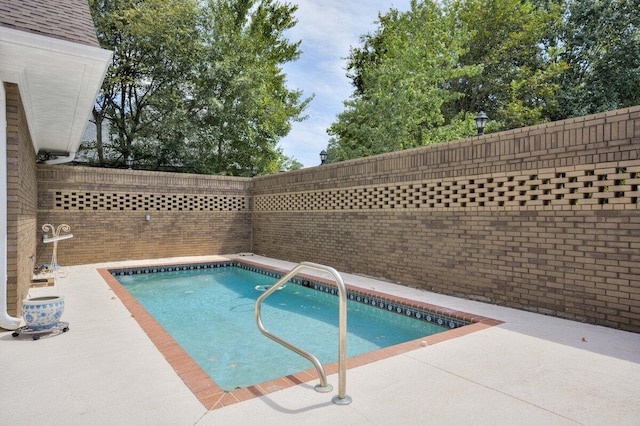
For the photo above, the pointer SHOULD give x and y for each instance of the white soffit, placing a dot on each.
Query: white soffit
(58, 82)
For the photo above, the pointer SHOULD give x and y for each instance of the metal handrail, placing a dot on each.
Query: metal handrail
(342, 398)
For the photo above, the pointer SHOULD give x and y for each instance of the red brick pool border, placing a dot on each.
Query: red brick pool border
(213, 397)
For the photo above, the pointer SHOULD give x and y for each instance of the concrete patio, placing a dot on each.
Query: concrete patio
(531, 370)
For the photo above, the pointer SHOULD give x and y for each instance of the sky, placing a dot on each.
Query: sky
(328, 29)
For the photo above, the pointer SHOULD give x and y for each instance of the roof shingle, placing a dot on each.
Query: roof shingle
(63, 19)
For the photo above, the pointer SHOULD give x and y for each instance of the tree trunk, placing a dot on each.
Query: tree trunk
(98, 119)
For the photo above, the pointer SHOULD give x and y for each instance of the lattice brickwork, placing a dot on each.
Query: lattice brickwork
(100, 201)
(588, 186)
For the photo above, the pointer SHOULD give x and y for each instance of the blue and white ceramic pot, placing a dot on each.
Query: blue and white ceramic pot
(42, 313)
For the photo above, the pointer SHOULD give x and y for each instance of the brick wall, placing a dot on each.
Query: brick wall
(544, 218)
(21, 202)
(107, 211)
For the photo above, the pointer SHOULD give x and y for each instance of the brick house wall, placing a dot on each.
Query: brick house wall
(543, 218)
(107, 210)
(21, 202)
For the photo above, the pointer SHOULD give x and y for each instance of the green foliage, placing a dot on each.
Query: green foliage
(600, 41)
(425, 74)
(244, 107)
(196, 86)
(400, 77)
(153, 42)
(518, 81)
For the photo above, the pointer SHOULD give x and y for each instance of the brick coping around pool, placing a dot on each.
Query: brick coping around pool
(213, 397)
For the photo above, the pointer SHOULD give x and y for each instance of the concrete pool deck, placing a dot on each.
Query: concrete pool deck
(530, 370)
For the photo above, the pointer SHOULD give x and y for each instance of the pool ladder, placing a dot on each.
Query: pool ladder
(341, 398)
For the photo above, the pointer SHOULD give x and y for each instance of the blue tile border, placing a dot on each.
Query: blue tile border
(170, 268)
(354, 296)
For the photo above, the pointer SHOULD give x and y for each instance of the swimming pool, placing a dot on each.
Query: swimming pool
(184, 365)
(210, 312)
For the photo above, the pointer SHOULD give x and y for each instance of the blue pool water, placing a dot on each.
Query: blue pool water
(210, 313)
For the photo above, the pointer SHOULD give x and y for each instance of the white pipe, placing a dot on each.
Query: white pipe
(61, 160)
(6, 321)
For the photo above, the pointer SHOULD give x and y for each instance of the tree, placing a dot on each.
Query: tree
(196, 86)
(511, 41)
(399, 77)
(244, 106)
(155, 43)
(424, 75)
(601, 44)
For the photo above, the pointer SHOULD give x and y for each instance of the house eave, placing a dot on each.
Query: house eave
(58, 82)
